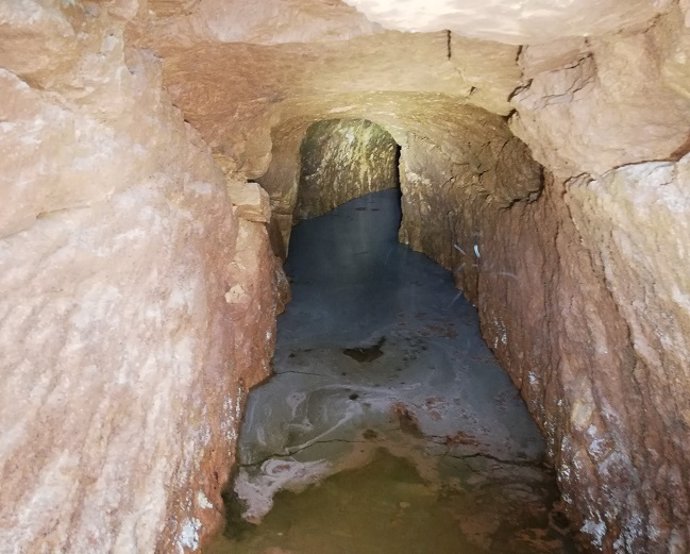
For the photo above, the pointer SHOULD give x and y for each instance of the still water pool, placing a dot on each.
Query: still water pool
(388, 426)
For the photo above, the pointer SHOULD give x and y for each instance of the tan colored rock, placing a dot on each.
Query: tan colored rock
(270, 22)
(555, 55)
(250, 201)
(122, 378)
(634, 221)
(589, 114)
(673, 37)
(37, 38)
(123, 368)
(489, 68)
(261, 88)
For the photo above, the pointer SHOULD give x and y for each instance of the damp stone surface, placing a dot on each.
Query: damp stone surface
(388, 425)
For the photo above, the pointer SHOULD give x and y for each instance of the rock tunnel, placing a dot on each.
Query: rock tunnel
(152, 174)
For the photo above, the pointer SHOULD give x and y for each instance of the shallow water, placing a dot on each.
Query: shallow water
(389, 426)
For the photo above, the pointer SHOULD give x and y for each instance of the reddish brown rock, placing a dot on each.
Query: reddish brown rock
(123, 365)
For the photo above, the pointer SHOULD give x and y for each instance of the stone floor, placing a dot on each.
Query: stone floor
(385, 396)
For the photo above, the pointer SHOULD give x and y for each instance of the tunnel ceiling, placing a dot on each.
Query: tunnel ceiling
(260, 68)
(404, 79)
(525, 22)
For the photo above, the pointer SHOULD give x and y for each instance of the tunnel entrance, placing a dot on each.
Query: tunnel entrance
(388, 425)
(343, 159)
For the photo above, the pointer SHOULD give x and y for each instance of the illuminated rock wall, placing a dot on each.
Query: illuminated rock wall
(342, 160)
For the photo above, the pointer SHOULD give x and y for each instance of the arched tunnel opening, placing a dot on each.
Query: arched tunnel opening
(341, 160)
(388, 425)
(152, 184)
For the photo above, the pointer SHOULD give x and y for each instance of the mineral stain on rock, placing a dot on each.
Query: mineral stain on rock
(364, 354)
(407, 420)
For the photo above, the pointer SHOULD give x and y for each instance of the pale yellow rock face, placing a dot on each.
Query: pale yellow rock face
(342, 160)
(265, 22)
(250, 201)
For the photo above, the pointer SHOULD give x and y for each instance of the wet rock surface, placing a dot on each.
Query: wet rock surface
(380, 363)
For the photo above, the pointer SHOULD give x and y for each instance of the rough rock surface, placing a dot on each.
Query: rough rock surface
(585, 303)
(634, 222)
(113, 210)
(525, 22)
(589, 114)
(446, 195)
(268, 22)
(342, 160)
(250, 201)
(136, 308)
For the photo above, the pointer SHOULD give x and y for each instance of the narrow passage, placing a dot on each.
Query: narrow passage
(388, 426)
